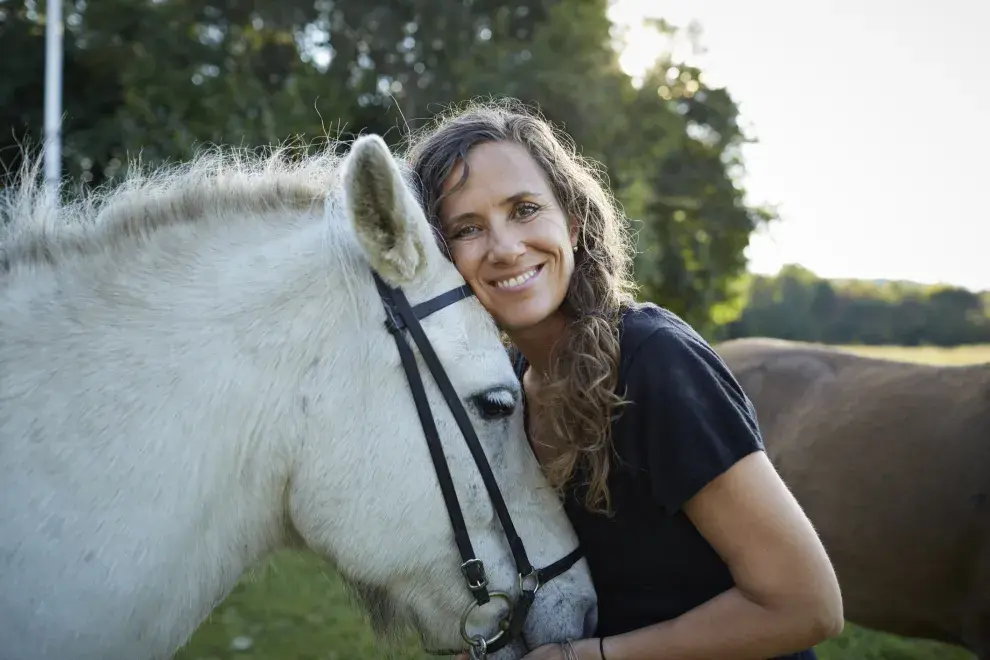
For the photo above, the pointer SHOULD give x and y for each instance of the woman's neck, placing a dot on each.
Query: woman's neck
(537, 342)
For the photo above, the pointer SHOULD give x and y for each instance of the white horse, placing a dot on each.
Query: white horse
(194, 371)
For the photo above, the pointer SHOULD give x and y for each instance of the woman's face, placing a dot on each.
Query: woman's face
(508, 237)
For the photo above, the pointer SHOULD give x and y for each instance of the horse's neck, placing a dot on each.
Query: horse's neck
(179, 463)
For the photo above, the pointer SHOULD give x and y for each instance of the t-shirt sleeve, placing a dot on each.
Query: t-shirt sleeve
(692, 419)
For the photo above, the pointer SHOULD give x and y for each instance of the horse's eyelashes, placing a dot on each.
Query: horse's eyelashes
(495, 404)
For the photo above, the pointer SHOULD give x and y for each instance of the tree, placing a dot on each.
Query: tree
(160, 79)
(694, 221)
(796, 304)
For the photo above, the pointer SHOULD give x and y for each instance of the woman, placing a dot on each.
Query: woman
(696, 547)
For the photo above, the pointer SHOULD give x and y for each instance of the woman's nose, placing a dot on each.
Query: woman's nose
(505, 246)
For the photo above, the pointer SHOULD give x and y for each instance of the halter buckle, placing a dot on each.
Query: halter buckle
(474, 573)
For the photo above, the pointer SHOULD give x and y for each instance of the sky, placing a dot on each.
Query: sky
(873, 127)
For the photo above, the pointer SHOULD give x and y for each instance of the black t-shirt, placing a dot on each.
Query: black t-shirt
(686, 422)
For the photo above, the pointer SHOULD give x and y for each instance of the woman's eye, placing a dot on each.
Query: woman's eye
(526, 210)
(463, 232)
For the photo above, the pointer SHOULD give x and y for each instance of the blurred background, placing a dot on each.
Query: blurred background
(793, 170)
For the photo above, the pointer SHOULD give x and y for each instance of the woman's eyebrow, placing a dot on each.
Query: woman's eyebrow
(511, 199)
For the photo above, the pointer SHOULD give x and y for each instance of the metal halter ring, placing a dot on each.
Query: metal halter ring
(479, 648)
(473, 640)
(534, 575)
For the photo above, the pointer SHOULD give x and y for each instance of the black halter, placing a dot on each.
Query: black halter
(400, 316)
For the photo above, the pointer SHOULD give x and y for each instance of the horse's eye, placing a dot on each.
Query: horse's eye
(497, 403)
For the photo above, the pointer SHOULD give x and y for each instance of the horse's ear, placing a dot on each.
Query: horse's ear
(389, 222)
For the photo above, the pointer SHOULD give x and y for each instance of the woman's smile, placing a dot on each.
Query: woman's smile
(520, 282)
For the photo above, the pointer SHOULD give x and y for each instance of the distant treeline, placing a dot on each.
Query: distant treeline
(796, 304)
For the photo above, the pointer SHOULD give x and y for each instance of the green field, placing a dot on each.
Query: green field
(294, 608)
(933, 354)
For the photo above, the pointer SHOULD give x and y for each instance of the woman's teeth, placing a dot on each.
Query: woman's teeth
(517, 280)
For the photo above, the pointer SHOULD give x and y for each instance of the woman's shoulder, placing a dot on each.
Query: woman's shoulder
(642, 319)
(686, 420)
(665, 359)
(651, 335)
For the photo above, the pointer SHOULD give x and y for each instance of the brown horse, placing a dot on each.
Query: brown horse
(891, 461)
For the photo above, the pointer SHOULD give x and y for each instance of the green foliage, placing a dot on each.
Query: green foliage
(158, 79)
(694, 222)
(796, 304)
(857, 643)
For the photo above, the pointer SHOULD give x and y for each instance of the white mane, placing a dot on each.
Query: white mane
(213, 187)
(194, 372)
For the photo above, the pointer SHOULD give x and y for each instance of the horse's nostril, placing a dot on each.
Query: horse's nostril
(591, 621)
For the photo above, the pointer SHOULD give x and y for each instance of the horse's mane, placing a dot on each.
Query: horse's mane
(217, 184)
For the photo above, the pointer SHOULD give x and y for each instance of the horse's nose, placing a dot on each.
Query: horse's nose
(591, 621)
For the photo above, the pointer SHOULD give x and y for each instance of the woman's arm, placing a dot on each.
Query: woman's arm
(700, 445)
(786, 596)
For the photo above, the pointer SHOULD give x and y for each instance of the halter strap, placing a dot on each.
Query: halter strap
(400, 316)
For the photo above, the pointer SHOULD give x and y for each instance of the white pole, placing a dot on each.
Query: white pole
(53, 97)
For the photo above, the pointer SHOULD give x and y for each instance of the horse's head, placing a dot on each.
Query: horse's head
(368, 496)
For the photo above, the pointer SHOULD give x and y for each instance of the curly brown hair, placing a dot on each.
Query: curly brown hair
(578, 399)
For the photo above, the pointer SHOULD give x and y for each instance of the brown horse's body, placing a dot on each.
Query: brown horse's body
(891, 461)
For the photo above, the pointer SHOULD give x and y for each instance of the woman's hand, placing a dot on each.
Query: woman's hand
(585, 649)
(546, 652)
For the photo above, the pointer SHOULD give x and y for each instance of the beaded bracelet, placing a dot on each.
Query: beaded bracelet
(569, 652)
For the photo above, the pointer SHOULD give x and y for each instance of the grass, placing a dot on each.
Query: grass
(931, 354)
(294, 607)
